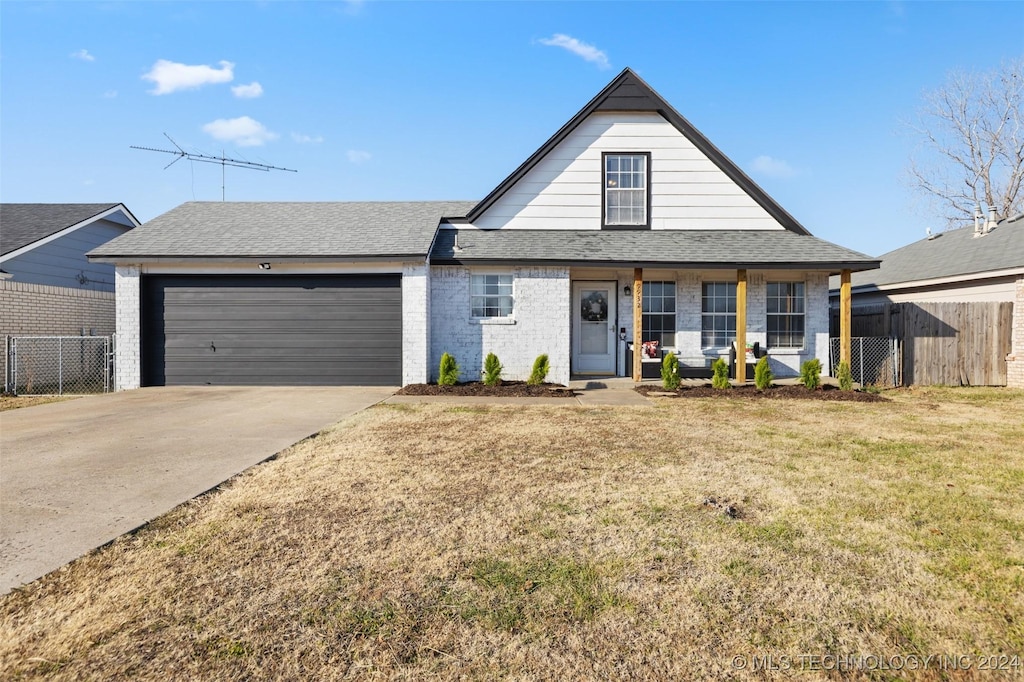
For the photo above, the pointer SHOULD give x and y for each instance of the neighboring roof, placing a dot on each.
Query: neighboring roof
(628, 92)
(361, 230)
(24, 224)
(950, 254)
(648, 248)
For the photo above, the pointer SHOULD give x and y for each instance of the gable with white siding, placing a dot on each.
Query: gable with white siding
(62, 262)
(688, 190)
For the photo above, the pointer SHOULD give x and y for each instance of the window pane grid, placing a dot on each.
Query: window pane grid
(659, 317)
(625, 182)
(718, 314)
(785, 314)
(490, 295)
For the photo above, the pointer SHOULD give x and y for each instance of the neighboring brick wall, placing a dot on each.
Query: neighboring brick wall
(415, 323)
(128, 371)
(542, 325)
(1015, 360)
(39, 310)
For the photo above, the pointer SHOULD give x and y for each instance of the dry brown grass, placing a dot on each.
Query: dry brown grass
(567, 543)
(13, 402)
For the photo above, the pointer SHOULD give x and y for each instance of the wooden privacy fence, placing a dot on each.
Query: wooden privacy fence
(960, 344)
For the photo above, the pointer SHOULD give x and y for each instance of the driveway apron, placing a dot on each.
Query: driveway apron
(74, 475)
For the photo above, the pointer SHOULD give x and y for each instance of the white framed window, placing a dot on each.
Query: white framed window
(659, 313)
(718, 314)
(626, 198)
(490, 295)
(785, 315)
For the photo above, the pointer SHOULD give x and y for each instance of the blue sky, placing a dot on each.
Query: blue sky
(428, 100)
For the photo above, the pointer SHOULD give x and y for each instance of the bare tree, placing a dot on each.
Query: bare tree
(971, 144)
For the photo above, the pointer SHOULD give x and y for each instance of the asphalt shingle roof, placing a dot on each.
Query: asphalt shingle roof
(949, 254)
(677, 248)
(287, 229)
(23, 224)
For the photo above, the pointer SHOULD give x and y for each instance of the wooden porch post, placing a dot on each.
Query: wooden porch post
(741, 327)
(638, 318)
(844, 316)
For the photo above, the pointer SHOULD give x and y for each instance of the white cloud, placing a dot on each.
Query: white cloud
(585, 50)
(302, 138)
(250, 91)
(358, 156)
(172, 76)
(83, 55)
(353, 7)
(771, 167)
(243, 131)
(110, 94)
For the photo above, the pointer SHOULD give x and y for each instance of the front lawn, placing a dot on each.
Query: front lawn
(417, 541)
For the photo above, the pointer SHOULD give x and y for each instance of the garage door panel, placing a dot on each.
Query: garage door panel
(306, 314)
(367, 344)
(324, 353)
(267, 330)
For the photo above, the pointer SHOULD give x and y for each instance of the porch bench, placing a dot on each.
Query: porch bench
(695, 368)
(650, 368)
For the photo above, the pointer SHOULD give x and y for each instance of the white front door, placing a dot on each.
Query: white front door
(593, 332)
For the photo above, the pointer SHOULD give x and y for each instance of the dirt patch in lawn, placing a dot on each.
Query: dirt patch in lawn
(506, 389)
(773, 393)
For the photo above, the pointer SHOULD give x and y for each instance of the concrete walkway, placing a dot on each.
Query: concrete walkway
(74, 475)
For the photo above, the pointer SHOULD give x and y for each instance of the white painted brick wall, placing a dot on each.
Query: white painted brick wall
(817, 321)
(688, 314)
(541, 314)
(128, 369)
(415, 323)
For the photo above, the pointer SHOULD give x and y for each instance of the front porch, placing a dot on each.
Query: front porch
(700, 315)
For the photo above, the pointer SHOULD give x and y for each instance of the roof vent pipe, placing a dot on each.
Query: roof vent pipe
(991, 219)
(977, 220)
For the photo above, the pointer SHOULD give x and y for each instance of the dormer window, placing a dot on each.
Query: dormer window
(627, 201)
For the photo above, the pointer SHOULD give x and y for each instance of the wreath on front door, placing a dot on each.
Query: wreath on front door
(594, 308)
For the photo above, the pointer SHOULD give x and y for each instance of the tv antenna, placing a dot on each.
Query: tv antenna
(224, 161)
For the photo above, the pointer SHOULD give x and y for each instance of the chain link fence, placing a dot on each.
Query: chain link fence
(55, 365)
(874, 361)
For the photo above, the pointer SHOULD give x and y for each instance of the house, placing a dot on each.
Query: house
(47, 285)
(628, 225)
(46, 243)
(973, 266)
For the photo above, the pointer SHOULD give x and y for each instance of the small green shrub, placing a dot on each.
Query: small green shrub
(810, 373)
(492, 370)
(721, 374)
(670, 371)
(448, 373)
(763, 374)
(540, 370)
(845, 376)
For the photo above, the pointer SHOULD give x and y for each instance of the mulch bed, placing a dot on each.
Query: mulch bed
(506, 389)
(775, 392)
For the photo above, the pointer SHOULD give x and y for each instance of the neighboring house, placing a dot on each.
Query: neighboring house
(46, 243)
(979, 264)
(628, 190)
(47, 285)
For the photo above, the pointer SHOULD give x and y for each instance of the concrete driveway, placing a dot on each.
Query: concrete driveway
(76, 474)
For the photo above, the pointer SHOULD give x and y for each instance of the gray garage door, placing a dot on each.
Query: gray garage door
(272, 330)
